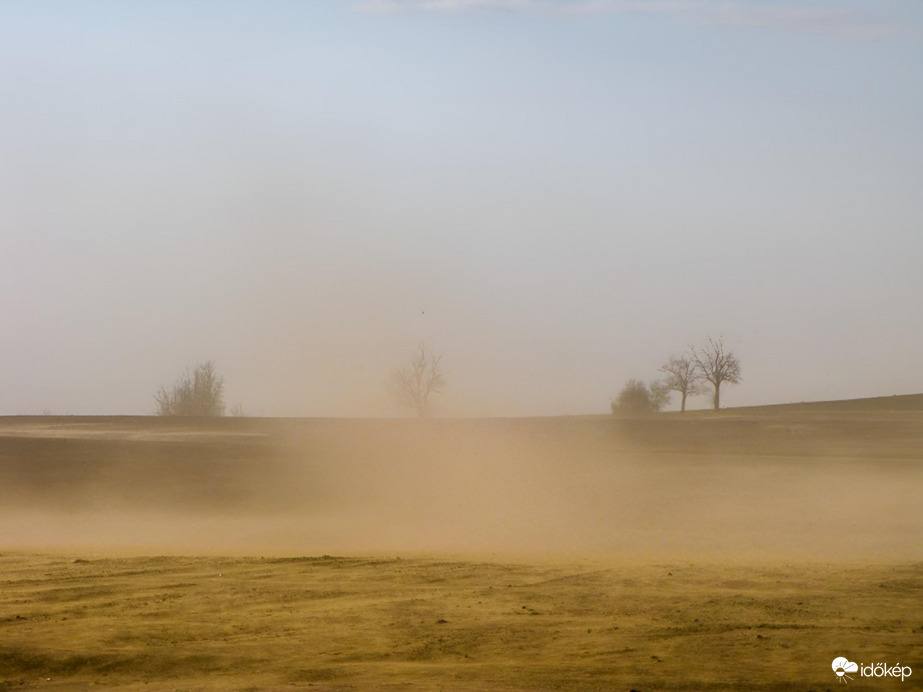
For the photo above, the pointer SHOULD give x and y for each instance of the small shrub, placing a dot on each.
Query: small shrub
(200, 393)
(637, 399)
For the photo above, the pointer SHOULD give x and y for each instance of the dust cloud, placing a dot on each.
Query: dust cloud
(806, 485)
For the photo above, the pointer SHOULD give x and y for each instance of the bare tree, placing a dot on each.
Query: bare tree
(413, 384)
(683, 376)
(717, 366)
(199, 393)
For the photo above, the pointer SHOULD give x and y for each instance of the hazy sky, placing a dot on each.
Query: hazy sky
(556, 194)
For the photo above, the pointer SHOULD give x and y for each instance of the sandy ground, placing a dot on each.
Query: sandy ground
(725, 552)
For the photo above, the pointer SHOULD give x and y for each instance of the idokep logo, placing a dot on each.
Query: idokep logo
(842, 666)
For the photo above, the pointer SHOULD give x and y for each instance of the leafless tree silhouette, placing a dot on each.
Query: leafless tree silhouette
(199, 393)
(683, 376)
(717, 366)
(413, 384)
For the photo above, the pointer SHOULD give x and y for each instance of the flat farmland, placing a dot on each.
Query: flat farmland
(740, 551)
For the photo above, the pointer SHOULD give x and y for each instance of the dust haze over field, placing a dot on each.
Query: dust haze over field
(736, 551)
(557, 196)
(829, 485)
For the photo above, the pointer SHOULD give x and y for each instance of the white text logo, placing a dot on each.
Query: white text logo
(842, 666)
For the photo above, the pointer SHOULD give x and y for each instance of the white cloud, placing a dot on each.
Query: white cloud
(791, 16)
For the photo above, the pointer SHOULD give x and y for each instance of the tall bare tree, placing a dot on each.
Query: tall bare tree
(199, 393)
(683, 376)
(413, 384)
(717, 366)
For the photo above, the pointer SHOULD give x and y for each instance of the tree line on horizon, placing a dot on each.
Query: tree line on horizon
(200, 392)
(688, 375)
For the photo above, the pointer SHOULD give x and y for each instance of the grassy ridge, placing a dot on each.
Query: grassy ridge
(898, 402)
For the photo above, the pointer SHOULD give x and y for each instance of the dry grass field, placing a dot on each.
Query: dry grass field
(740, 551)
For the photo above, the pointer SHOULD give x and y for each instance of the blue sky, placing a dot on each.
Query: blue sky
(556, 195)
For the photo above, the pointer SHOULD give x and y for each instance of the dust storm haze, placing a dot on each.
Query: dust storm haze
(763, 486)
(557, 197)
(747, 548)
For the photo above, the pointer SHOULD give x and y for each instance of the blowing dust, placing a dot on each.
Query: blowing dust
(718, 487)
